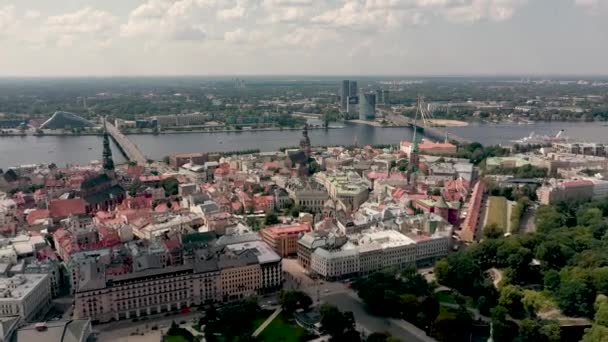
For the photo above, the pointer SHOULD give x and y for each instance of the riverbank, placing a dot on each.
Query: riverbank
(375, 123)
(168, 131)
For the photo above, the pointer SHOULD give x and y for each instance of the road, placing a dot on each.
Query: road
(395, 327)
(121, 330)
(127, 145)
(527, 224)
(346, 299)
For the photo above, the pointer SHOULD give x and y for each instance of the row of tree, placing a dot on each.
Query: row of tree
(564, 265)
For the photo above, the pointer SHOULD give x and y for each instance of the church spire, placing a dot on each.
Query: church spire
(305, 141)
(414, 160)
(108, 163)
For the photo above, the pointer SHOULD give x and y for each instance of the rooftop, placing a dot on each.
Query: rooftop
(19, 286)
(264, 253)
(288, 229)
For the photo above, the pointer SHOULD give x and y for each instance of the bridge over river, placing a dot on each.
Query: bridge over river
(130, 150)
(433, 132)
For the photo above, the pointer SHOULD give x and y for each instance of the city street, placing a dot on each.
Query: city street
(122, 330)
(340, 295)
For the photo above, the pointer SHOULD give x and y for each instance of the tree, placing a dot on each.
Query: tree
(377, 337)
(575, 297)
(293, 300)
(547, 219)
(334, 322)
(510, 298)
(271, 219)
(492, 231)
(170, 185)
(531, 330)
(551, 280)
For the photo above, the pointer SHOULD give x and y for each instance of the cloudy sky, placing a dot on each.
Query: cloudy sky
(334, 37)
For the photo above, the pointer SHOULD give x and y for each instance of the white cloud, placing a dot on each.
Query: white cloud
(167, 20)
(593, 7)
(8, 19)
(236, 12)
(82, 22)
(32, 14)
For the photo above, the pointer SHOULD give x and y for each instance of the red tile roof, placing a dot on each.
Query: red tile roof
(63, 208)
(288, 229)
(35, 215)
(135, 171)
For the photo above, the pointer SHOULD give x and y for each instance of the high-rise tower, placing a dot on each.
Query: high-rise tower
(344, 95)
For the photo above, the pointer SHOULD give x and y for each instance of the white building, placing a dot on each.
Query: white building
(370, 251)
(600, 189)
(25, 295)
(8, 210)
(334, 264)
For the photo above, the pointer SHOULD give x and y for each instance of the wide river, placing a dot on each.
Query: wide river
(83, 149)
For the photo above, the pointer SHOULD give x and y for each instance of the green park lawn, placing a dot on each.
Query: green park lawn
(281, 330)
(497, 212)
(446, 297)
(174, 339)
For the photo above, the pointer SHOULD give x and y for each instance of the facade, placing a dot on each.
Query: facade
(429, 147)
(575, 190)
(587, 149)
(25, 295)
(177, 160)
(284, 238)
(470, 227)
(271, 270)
(349, 99)
(344, 95)
(193, 119)
(367, 252)
(213, 275)
(367, 107)
(349, 188)
(307, 194)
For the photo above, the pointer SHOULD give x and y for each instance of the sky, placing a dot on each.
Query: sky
(303, 37)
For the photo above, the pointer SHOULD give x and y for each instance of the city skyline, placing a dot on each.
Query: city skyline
(299, 37)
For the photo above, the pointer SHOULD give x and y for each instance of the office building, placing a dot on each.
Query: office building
(216, 274)
(385, 97)
(349, 99)
(352, 89)
(193, 119)
(367, 107)
(284, 238)
(379, 94)
(344, 95)
(25, 295)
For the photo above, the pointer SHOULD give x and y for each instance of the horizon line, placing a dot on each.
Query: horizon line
(447, 75)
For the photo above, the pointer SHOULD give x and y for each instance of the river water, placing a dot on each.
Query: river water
(83, 149)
